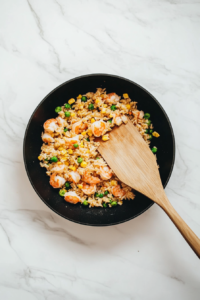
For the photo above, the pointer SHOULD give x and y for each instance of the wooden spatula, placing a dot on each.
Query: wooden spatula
(134, 164)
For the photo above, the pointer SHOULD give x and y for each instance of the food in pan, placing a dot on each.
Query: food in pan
(70, 153)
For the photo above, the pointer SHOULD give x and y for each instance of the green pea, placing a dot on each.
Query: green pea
(154, 149)
(147, 116)
(67, 114)
(114, 203)
(150, 137)
(113, 107)
(68, 185)
(148, 122)
(58, 108)
(110, 121)
(97, 157)
(104, 204)
(106, 193)
(61, 193)
(67, 106)
(65, 129)
(88, 139)
(101, 195)
(91, 106)
(85, 202)
(151, 130)
(84, 99)
(75, 145)
(79, 160)
(146, 131)
(54, 159)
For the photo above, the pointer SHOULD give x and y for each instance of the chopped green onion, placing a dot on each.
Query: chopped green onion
(85, 202)
(61, 193)
(84, 99)
(58, 109)
(67, 106)
(147, 116)
(67, 114)
(54, 159)
(79, 160)
(154, 149)
(113, 107)
(91, 106)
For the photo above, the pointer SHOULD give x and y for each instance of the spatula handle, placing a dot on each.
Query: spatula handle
(184, 229)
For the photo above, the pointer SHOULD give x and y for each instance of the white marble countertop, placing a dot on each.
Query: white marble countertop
(44, 43)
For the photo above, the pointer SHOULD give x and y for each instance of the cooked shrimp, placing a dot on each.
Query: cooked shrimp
(105, 173)
(117, 191)
(71, 141)
(89, 189)
(58, 168)
(124, 119)
(47, 138)
(90, 179)
(50, 125)
(117, 119)
(112, 98)
(61, 121)
(56, 181)
(71, 197)
(74, 176)
(98, 128)
(78, 127)
(138, 114)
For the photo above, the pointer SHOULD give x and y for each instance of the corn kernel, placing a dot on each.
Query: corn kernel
(92, 120)
(83, 164)
(88, 151)
(110, 116)
(103, 111)
(70, 151)
(89, 132)
(40, 157)
(113, 182)
(80, 186)
(97, 101)
(66, 163)
(79, 96)
(64, 151)
(105, 105)
(63, 158)
(125, 96)
(60, 148)
(128, 106)
(105, 137)
(83, 133)
(156, 134)
(72, 100)
(81, 145)
(73, 115)
(72, 168)
(59, 163)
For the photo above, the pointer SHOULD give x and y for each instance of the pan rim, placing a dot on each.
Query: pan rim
(92, 75)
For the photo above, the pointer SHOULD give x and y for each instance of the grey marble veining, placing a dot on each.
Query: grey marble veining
(155, 43)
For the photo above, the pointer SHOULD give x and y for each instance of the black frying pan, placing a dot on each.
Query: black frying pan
(46, 110)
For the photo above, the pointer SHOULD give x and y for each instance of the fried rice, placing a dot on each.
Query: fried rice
(70, 154)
